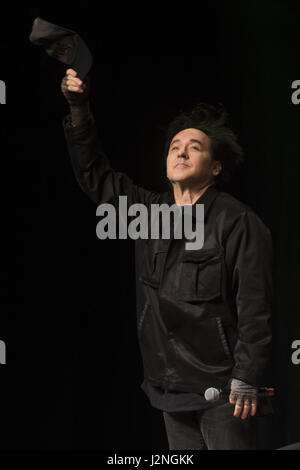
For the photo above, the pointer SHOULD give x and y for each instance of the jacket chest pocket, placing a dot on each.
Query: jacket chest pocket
(153, 262)
(200, 275)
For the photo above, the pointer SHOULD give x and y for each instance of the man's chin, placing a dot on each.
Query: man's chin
(181, 179)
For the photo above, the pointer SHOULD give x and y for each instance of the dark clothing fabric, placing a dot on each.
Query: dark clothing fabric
(205, 317)
(213, 429)
(172, 400)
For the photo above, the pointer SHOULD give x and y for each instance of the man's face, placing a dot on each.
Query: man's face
(189, 158)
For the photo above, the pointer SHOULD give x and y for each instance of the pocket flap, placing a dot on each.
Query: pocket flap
(202, 255)
(200, 275)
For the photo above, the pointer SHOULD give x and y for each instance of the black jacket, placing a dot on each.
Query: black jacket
(203, 316)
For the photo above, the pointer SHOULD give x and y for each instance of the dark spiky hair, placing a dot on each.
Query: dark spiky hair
(213, 121)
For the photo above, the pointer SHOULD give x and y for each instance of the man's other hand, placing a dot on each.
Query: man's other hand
(244, 397)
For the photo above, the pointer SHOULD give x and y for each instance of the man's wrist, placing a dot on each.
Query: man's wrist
(240, 386)
(80, 113)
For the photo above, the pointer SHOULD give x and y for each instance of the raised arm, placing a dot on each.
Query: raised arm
(91, 166)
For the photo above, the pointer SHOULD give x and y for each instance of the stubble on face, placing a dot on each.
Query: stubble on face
(189, 159)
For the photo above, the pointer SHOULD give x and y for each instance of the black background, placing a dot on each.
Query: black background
(73, 373)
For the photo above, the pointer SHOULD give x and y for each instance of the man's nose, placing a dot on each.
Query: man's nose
(183, 153)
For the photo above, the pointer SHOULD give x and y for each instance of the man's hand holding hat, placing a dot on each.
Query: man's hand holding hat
(76, 92)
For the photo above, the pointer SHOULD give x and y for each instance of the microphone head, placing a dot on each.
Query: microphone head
(212, 394)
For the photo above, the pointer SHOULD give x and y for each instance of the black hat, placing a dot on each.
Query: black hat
(62, 44)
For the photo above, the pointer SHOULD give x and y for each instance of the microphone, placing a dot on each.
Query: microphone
(213, 394)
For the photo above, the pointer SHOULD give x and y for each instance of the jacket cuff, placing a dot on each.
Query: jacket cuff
(82, 129)
(248, 377)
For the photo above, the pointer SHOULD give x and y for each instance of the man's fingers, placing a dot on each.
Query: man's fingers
(237, 411)
(73, 84)
(249, 404)
(71, 72)
(73, 81)
(246, 410)
(75, 88)
(253, 408)
(243, 406)
(238, 408)
(234, 398)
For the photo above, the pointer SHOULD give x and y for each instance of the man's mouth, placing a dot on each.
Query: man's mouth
(181, 164)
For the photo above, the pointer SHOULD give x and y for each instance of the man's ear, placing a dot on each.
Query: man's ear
(217, 168)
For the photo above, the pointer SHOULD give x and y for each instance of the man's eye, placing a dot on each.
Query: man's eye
(193, 147)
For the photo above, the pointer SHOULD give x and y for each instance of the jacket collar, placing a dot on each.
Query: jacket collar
(207, 198)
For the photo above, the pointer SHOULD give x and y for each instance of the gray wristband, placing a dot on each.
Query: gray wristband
(243, 390)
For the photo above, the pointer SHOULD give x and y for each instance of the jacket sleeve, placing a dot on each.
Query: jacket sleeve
(92, 169)
(249, 259)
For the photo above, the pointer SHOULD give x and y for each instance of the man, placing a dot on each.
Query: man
(203, 315)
